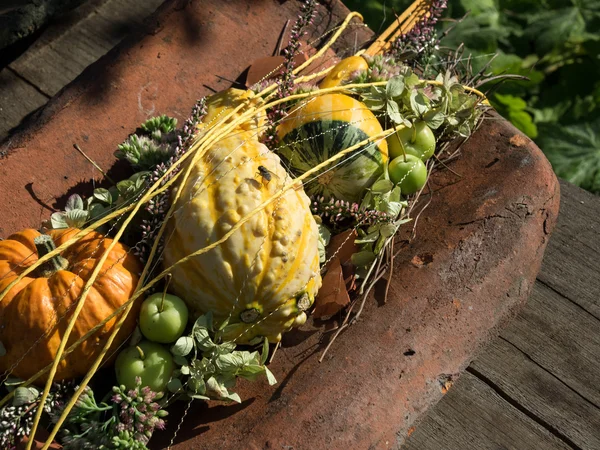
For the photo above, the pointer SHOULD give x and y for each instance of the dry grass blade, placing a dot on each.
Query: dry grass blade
(402, 24)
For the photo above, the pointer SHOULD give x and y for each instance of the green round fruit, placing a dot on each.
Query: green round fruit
(163, 318)
(150, 361)
(417, 140)
(409, 174)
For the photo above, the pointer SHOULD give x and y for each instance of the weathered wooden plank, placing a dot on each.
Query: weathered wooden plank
(561, 409)
(17, 99)
(20, 19)
(560, 337)
(571, 263)
(473, 416)
(55, 60)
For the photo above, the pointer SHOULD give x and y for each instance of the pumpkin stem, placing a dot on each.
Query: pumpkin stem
(162, 302)
(142, 356)
(44, 245)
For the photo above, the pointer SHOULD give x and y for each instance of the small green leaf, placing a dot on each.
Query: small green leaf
(74, 202)
(180, 360)
(115, 193)
(393, 111)
(96, 211)
(419, 103)
(362, 259)
(374, 104)
(434, 118)
(251, 371)
(411, 80)
(215, 389)
(197, 385)
(183, 346)
(395, 87)
(230, 362)
(125, 187)
(233, 397)
(388, 230)
(103, 195)
(13, 383)
(396, 195)
(25, 395)
(369, 238)
(391, 208)
(58, 220)
(76, 218)
(223, 324)
(379, 245)
(270, 377)
(205, 321)
(264, 354)
(255, 340)
(324, 237)
(174, 385)
(367, 201)
(185, 370)
(203, 338)
(382, 186)
(226, 347)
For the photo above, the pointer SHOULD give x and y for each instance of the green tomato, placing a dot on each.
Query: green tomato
(409, 174)
(150, 361)
(417, 140)
(163, 318)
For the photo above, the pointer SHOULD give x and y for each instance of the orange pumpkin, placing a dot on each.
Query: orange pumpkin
(36, 311)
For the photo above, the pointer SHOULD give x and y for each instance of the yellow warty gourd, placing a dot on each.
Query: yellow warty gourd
(266, 275)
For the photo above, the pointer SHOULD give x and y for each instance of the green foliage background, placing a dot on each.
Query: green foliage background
(556, 43)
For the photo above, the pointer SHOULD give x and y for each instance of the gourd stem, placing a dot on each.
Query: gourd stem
(142, 356)
(162, 302)
(44, 245)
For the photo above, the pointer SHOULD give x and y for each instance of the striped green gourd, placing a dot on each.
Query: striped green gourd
(324, 126)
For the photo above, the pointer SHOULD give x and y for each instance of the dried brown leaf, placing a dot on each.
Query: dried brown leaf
(343, 247)
(333, 296)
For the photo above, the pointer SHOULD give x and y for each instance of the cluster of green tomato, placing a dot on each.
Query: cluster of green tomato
(163, 318)
(408, 149)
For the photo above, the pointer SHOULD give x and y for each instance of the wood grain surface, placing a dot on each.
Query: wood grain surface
(545, 366)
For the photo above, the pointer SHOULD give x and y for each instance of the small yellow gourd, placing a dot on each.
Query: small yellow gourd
(266, 275)
(343, 70)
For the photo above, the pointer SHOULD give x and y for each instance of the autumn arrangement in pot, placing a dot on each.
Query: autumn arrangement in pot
(270, 204)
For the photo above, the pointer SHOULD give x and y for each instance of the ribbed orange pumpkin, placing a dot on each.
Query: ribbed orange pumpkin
(35, 312)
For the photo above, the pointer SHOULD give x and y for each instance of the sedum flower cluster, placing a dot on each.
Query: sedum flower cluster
(16, 419)
(334, 210)
(126, 422)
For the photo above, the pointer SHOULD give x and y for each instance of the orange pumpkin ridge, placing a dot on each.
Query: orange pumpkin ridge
(35, 313)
